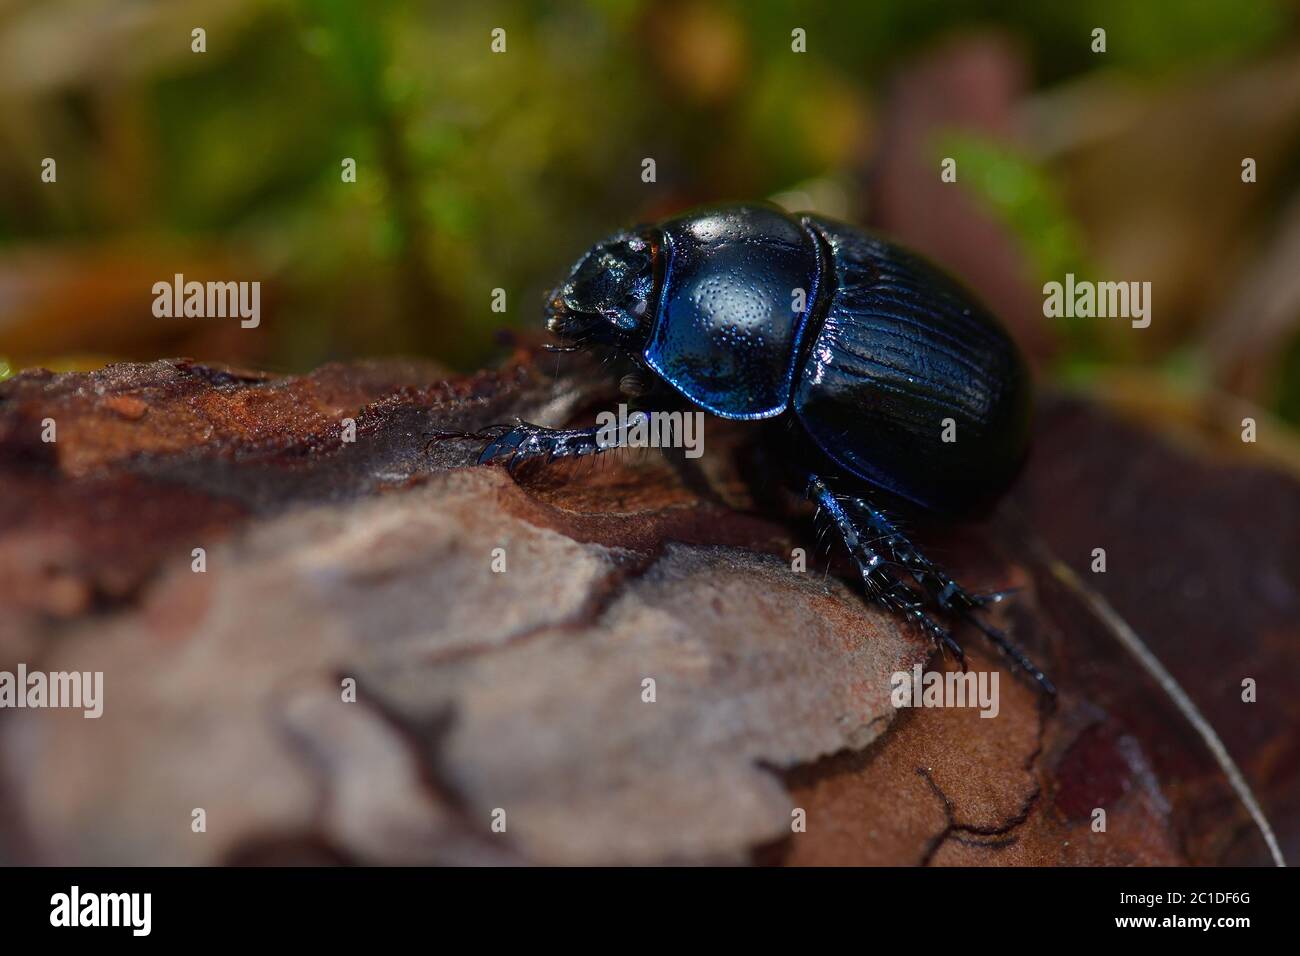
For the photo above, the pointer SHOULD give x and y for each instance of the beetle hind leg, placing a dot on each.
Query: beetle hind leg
(870, 526)
(947, 593)
(1009, 648)
(883, 586)
(987, 598)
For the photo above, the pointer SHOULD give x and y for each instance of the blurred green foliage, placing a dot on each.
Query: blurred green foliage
(478, 170)
(1021, 196)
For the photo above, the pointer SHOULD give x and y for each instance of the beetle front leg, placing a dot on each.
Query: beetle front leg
(526, 442)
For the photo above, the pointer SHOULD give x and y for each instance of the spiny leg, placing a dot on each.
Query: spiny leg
(947, 593)
(872, 526)
(882, 585)
(525, 441)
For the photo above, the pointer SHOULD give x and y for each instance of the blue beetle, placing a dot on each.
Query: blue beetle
(902, 385)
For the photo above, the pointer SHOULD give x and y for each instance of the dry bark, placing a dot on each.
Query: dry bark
(522, 691)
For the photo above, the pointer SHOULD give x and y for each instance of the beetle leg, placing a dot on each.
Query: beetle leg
(946, 592)
(882, 584)
(436, 438)
(986, 598)
(1008, 647)
(526, 441)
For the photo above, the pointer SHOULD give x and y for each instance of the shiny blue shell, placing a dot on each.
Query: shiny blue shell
(893, 369)
(728, 332)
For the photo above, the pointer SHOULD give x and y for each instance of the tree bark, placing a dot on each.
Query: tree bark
(520, 698)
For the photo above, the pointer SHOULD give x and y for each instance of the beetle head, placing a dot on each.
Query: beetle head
(607, 297)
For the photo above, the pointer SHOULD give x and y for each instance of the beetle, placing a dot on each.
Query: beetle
(901, 384)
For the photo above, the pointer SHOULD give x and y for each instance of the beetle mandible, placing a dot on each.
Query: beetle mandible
(872, 353)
